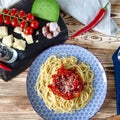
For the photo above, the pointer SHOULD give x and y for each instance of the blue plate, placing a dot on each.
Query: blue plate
(99, 84)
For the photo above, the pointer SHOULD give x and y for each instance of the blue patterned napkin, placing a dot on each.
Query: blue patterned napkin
(117, 79)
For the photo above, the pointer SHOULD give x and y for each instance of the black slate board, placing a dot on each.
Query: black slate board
(25, 58)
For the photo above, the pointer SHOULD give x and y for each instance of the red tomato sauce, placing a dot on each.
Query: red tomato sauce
(67, 83)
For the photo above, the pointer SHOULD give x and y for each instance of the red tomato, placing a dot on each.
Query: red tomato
(5, 11)
(34, 24)
(1, 18)
(13, 12)
(28, 30)
(14, 22)
(30, 17)
(7, 20)
(23, 24)
(21, 14)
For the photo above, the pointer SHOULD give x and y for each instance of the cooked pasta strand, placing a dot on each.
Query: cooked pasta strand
(54, 102)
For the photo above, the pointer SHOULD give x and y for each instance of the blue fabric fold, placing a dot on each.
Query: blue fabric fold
(116, 63)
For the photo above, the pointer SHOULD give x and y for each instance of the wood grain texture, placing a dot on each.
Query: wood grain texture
(14, 104)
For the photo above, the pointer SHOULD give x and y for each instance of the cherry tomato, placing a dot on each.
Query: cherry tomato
(7, 20)
(1, 18)
(28, 30)
(21, 14)
(23, 24)
(13, 12)
(15, 22)
(30, 17)
(34, 24)
(5, 11)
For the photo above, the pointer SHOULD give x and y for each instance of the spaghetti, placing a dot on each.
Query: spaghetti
(55, 102)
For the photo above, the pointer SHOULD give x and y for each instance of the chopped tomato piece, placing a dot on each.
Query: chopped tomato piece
(77, 94)
(67, 83)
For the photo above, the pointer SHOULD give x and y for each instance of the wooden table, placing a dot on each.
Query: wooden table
(14, 104)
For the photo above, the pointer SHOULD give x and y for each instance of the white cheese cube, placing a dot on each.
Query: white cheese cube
(8, 40)
(28, 38)
(3, 31)
(18, 30)
(19, 44)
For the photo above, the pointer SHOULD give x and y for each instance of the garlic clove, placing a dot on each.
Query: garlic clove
(55, 33)
(53, 26)
(45, 30)
(49, 36)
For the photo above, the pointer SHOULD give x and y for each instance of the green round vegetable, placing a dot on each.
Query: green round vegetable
(46, 9)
